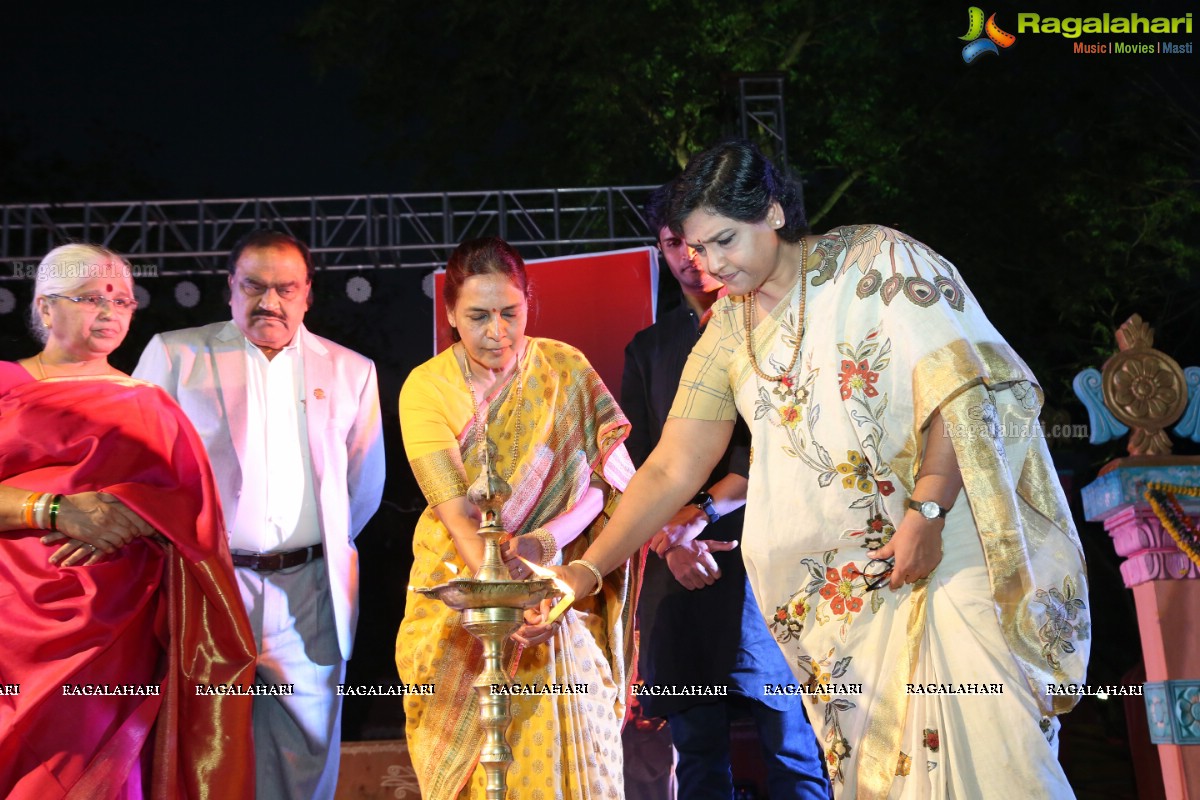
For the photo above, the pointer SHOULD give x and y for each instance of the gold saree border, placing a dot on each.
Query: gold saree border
(879, 753)
(440, 476)
(1014, 516)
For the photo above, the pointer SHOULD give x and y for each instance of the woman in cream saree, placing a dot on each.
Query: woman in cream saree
(905, 533)
(940, 688)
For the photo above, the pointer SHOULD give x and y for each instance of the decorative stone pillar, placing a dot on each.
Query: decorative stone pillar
(1166, 591)
(1144, 390)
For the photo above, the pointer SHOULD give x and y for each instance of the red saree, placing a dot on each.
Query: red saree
(167, 617)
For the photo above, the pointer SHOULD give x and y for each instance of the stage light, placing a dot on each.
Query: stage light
(8, 301)
(358, 289)
(187, 294)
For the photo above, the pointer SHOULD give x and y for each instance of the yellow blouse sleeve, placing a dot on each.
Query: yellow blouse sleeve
(705, 391)
(426, 407)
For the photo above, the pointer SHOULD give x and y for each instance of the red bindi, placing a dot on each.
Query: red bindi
(108, 287)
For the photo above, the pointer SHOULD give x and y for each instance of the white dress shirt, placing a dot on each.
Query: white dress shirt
(277, 506)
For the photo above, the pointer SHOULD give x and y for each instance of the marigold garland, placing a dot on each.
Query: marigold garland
(1170, 513)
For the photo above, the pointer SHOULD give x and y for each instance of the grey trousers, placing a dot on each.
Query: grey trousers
(297, 737)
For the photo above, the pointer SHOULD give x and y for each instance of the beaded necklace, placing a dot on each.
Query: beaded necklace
(1170, 514)
(748, 309)
(480, 433)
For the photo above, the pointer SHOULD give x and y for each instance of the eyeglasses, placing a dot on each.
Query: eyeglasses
(287, 291)
(125, 305)
(877, 573)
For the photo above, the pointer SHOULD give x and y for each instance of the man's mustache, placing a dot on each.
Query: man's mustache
(269, 315)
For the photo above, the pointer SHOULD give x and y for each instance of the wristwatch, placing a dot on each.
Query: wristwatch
(928, 509)
(704, 502)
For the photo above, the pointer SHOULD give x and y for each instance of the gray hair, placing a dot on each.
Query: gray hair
(66, 268)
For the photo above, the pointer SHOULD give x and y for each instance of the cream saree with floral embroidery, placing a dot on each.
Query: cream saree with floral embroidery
(566, 747)
(940, 689)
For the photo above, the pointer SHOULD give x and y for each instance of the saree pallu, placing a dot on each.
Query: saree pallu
(151, 616)
(939, 689)
(571, 431)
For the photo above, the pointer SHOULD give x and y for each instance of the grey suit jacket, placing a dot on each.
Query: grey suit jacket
(204, 369)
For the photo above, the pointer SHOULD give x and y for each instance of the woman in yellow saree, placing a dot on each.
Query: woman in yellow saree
(558, 435)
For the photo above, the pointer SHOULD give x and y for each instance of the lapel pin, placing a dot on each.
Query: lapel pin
(319, 394)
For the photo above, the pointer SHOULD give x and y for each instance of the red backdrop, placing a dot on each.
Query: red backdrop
(595, 302)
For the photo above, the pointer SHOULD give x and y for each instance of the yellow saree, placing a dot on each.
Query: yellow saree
(564, 745)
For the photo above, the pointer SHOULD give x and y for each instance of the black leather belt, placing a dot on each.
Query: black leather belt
(269, 562)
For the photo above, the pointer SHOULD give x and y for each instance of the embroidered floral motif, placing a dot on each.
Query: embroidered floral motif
(875, 532)
(792, 399)
(857, 377)
(838, 751)
(818, 676)
(786, 405)
(932, 740)
(1062, 609)
(788, 619)
(857, 472)
(878, 532)
(903, 764)
(821, 673)
(789, 392)
(789, 415)
(832, 594)
(865, 470)
(839, 590)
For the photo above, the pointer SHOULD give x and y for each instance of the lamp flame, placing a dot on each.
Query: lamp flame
(568, 596)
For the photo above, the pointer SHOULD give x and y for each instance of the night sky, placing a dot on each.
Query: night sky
(183, 100)
(220, 100)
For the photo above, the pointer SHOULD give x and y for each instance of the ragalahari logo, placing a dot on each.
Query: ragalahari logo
(976, 27)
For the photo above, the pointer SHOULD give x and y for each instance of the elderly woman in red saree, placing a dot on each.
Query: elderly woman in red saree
(559, 436)
(114, 574)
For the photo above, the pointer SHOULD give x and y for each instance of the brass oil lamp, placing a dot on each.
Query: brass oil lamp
(492, 606)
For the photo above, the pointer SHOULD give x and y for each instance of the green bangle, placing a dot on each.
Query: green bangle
(54, 512)
(595, 571)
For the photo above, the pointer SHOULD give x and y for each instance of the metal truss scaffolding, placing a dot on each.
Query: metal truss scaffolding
(185, 237)
(760, 106)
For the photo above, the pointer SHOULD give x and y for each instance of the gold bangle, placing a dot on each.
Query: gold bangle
(549, 544)
(595, 571)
